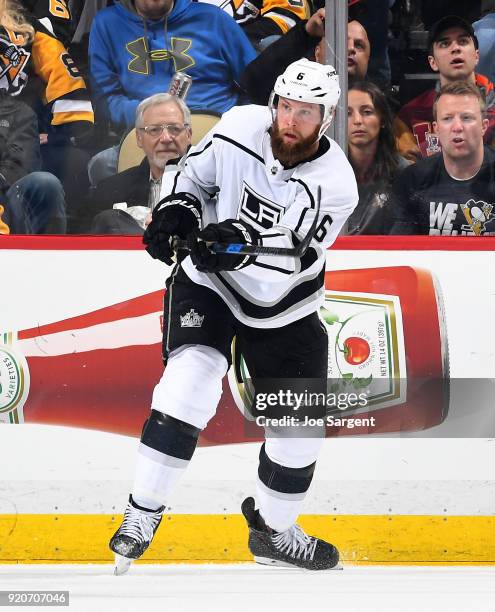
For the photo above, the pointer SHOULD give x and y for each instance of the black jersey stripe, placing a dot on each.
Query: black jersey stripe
(176, 178)
(195, 153)
(312, 203)
(301, 219)
(285, 13)
(269, 267)
(278, 235)
(290, 302)
(239, 146)
(308, 259)
(294, 239)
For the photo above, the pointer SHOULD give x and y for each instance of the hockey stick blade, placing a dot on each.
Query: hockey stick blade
(246, 249)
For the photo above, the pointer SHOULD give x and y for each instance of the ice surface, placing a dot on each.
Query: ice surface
(254, 588)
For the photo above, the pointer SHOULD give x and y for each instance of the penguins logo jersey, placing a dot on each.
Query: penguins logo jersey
(427, 200)
(235, 175)
(44, 57)
(285, 13)
(473, 217)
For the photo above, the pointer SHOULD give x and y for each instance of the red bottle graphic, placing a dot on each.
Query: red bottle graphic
(98, 370)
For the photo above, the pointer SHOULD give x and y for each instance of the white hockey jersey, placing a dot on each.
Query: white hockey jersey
(234, 174)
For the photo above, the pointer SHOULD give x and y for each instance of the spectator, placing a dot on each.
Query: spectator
(139, 187)
(33, 201)
(37, 53)
(265, 20)
(373, 156)
(451, 193)
(453, 53)
(136, 46)
(39, 71)
(375, 19)
(308, 39)
(304, 39)
(485, 33)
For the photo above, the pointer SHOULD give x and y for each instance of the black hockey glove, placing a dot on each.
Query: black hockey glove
(176, 215)
(230, 231)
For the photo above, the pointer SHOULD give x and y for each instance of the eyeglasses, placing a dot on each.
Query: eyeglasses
(172, 129)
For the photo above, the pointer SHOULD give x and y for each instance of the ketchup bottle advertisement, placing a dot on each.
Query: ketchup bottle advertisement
(386, 331)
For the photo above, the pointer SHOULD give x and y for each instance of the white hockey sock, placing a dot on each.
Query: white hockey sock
(279, 510)
(155, 477)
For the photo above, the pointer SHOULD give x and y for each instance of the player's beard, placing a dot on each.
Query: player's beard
(291, 154)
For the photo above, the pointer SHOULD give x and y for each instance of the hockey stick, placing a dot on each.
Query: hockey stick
(247, 249)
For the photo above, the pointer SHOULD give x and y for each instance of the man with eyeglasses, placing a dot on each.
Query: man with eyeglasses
(126, 200)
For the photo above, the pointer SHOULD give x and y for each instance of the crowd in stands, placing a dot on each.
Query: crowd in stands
(76, 77)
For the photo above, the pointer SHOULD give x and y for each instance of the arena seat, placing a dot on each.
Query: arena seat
(131, 155)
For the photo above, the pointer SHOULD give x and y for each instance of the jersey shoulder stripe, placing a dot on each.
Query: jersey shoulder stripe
(239, 146)
(194, 153)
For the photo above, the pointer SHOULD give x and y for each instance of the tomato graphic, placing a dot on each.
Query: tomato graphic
(356, 350)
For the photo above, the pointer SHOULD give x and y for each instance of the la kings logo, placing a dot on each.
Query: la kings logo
(258, 211)
(191, 319)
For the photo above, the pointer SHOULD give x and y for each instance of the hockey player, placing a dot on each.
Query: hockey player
(252, 180)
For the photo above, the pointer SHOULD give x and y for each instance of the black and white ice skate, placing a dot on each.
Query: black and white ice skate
(287, 548)
(134, 536)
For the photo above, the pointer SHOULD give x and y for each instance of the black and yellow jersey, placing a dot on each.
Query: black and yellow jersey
(261, 18)
(43, 70)
(55, 15)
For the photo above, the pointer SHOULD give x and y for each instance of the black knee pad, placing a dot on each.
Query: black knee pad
(170, 436)
(284, 479)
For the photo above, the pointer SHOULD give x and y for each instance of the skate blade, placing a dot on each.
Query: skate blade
(278, 563)
(122, 565)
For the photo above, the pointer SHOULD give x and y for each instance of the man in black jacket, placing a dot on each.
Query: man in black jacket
(33, 201)
(163, 132)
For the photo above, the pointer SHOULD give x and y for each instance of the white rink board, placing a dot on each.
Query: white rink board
(52, 469)
(47, 286)
(79, 471)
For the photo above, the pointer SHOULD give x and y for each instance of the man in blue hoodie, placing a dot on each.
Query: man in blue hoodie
(136, 46)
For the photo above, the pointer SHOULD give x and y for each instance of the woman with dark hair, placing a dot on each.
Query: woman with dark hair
(373, 156)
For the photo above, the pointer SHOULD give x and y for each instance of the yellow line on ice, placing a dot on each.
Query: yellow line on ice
(193, 538)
